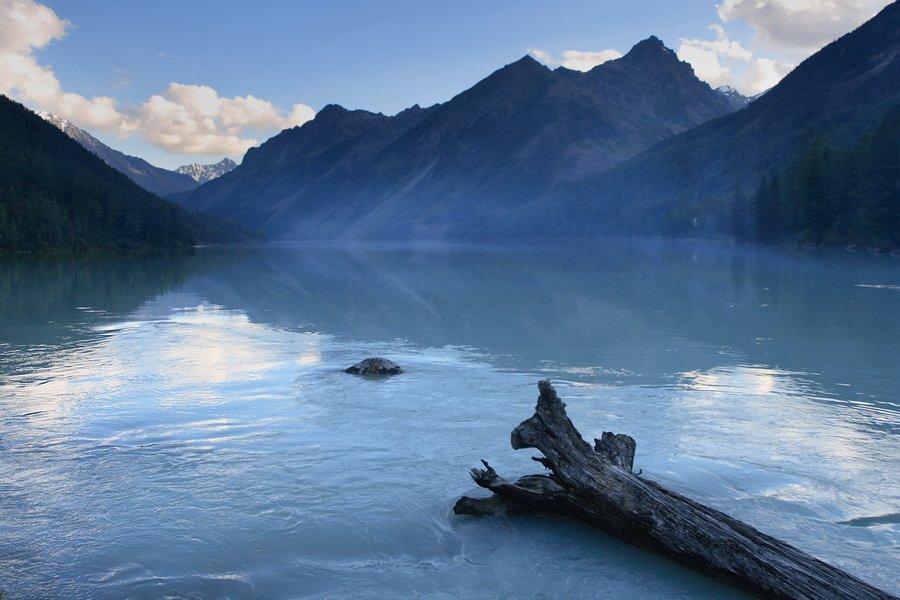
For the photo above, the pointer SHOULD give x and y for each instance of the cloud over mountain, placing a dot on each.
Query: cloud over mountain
(784, 33)
(577, 60)
(799, 26)
(182, 118)
(726, 62)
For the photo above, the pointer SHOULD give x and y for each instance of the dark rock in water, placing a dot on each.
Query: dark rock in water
(375, 366)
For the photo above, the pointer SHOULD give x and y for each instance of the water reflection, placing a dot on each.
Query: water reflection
(741, 380)
(613, 312)
(185, 429)
(207, 345)
(48, 301)
(777, 413)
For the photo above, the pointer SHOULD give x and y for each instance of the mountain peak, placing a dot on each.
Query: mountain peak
(734, 97)
(330, 112)
(412, 110)
(203, 173)
(335, 114)
(61, 123)
(526, 67)
(650, 49)
(526, 60)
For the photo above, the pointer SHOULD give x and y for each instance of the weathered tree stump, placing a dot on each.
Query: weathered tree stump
(596, 486)
(375, 366)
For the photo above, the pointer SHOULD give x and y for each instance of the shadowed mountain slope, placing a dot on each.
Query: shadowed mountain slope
(518, 135)
(161, 182)
(687, 184)
(55, 194)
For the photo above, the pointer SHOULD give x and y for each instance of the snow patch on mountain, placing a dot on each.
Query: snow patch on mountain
(161, 182)
(737, 99)
(203, 173)
(61, 123)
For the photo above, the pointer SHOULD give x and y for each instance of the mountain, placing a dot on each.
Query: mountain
(519, 134)
(737, 99)
(203, 173)
(55, 194)
(161, 182)
(695, 182)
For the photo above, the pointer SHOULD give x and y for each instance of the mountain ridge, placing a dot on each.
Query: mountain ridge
(518, 133)
(687, 184)
(161, 182)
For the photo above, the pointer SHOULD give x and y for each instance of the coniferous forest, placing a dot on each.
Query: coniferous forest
(55, 195)
(832, 195)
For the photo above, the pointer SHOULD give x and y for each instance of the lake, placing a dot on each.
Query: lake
(179, 425)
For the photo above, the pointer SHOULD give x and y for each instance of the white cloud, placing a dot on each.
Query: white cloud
(722, 45)
(300, 114)
(183, 118)
(799, 27)
(576, 60)
(544, 56)
(763, 73)
(726, 62)
(585, 61)
(26, 25)
(784, 31)
(194, 119)
(705, 62)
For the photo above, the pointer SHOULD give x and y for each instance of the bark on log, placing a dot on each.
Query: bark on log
(596, 486)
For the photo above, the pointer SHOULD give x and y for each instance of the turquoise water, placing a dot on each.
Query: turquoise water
(179, 426)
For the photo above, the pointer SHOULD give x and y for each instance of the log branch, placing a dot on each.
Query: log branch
(596, 486)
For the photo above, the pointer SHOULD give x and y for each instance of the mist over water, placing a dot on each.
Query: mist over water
(179, 426)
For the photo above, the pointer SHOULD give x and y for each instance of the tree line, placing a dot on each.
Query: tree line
(833, 195)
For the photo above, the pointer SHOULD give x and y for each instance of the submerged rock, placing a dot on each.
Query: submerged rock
(375, 366)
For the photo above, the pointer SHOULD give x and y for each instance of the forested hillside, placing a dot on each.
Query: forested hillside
(54, 194)
(830, 195)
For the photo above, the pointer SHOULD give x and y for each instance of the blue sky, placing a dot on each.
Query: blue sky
(178, 82)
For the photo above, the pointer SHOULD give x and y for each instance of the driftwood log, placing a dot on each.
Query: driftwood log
(597, 486)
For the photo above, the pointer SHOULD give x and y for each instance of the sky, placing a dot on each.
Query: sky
(177, 82)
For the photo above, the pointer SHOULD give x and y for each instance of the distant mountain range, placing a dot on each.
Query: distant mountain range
(635, 146)
(161, 182)
(203, 173)
(55, 194)
(521, 133)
